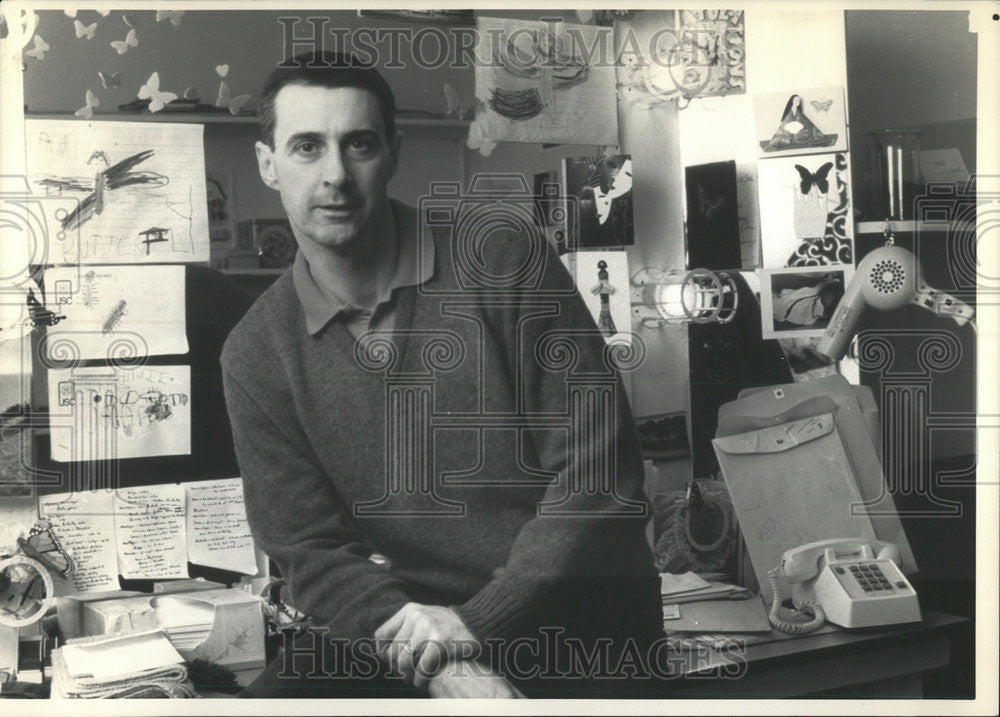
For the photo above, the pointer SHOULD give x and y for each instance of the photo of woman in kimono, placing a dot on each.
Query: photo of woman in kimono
(796, 131)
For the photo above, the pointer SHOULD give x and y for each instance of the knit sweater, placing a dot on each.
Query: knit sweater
(467, 447)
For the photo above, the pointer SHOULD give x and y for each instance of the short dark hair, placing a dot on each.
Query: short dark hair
(325, 69)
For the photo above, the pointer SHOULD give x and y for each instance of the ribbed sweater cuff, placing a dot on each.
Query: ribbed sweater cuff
(495, 611)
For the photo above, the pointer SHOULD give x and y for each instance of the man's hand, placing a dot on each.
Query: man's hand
(463, 679)
(423, 638)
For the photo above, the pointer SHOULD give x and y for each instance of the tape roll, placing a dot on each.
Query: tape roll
(19, 604)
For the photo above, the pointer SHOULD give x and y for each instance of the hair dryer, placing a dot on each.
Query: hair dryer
(887, 278)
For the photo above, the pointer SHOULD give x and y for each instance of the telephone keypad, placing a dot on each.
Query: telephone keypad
(870, 578)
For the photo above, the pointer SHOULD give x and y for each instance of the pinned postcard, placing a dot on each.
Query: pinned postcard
(117, 311)
(805, 211)
(218, 534)
(113, 412)
(800, 122)
(603, 281)
(545, 82)
(119, 192)
(85, 524)
(150, 525)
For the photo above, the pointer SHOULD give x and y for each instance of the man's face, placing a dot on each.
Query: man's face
(331, 163)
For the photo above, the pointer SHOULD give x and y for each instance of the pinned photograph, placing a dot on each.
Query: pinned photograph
(800, 122)
(799, 302)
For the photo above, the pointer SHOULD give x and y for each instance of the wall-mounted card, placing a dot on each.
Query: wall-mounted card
(800, 122)
(117, 311)
(603, 281)
(106, 413)
(800, 301)
(601, 187)
(805, 211)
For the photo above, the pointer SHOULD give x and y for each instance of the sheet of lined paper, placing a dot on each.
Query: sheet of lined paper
(119, 192)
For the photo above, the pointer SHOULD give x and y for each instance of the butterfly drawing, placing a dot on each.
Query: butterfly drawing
(87, 111)
(817, 178)
(226, 99)
(86, 31)
(40, 316)
(39, 50)
(43, 545)
(174, 16)
(110, 79)
(821, 106)
(706, 206)
(151, 91)
(122, 46)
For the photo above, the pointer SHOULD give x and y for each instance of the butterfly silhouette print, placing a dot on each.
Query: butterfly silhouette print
(821, 106)
(817, 178)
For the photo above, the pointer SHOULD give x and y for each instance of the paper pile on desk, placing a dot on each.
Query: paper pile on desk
(130, 666)
(689, 587)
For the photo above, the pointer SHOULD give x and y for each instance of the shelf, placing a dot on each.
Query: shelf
(435, 127)
(912, 225)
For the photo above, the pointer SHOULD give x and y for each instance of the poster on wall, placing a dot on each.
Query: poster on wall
(602, 279)
(805, 211)
(800, 122)
(120, 192)
(538, 82)
(601, 188)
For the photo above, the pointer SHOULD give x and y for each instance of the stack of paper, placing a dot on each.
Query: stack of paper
(142, 664)
(689, 587)
(186, 621)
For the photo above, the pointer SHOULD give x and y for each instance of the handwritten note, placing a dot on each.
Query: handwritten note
(118, 412)
(84, 522)
(149, 522)
(115, 311)
(218, 533)
(136, 190)
(545, 82)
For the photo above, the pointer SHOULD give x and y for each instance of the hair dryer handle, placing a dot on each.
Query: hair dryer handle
(845, 318)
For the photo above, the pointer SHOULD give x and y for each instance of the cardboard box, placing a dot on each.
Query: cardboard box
(236, 638)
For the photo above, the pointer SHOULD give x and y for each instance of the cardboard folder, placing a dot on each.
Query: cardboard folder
(856, 419)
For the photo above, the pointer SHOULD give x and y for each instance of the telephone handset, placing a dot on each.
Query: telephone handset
(850, 582)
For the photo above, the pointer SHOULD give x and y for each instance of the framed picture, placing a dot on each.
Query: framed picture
(800, 302)
(221, 205)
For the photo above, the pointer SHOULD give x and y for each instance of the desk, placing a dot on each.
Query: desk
(882, 663)
(886, 663)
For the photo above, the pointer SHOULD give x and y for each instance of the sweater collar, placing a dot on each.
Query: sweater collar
(414, 265)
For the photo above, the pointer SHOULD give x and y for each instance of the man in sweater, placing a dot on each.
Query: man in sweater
(445, 402)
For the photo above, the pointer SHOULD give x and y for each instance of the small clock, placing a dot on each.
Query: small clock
(273, 241)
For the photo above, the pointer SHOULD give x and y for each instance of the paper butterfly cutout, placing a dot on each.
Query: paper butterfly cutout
(43, 545)
(477, 139)
(190, 93)
(129, 18)
(39, 50)
(817, 178)
(69, 13)
(151, 91)
(40, 316)
(821, 106)
(226, 99)
(222, 70)
(174, 16)
(86, 31)
(87, 111)
(103, 13)
(110, 79)
(122, 46)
